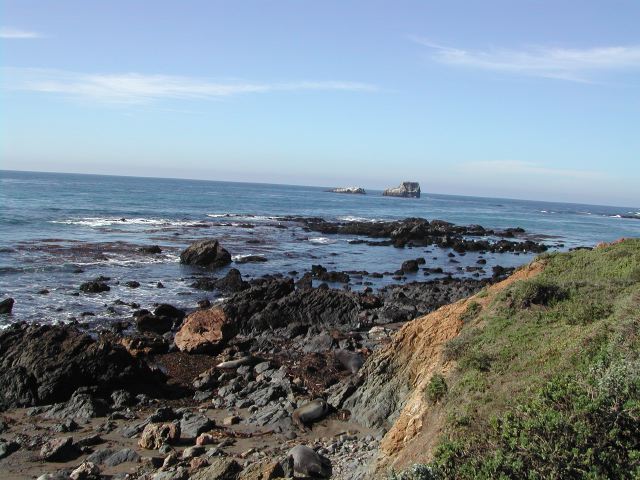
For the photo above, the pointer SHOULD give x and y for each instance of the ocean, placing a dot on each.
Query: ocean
(59, 230)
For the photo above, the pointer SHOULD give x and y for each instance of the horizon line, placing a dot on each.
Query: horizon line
(311, 186)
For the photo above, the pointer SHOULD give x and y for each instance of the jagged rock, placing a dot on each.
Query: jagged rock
(192, 452)
(307, 462)
(121, 399)
(46, 364)
(307, 307)
(86, 471)
(59, 450)
(232, 282)
(245, 304)
(262, 471)
(193, 424)
(122, 456)
(205, 331)
(141, 345)
(146, 322)
(221, 468)
(155, 435)
(206, 253)
(318, 343)
(99, 456)
(81, 405)
(338, 393)
(405, 189)
(7, 447)
(6, 305)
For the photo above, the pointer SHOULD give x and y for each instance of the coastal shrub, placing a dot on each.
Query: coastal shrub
(477, 360)
(471, 312)
(437, 388)
(585, 311)
(526, 293)
(457, 346)
(573, 427)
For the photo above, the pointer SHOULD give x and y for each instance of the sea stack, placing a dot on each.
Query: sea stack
(353, 190)
(406, 189)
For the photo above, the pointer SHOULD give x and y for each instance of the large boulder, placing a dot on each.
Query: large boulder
(6, 305)
(405, 189)
(44, 364)
(206, 253)
(155, 435)
(205, 331)
(320, 307)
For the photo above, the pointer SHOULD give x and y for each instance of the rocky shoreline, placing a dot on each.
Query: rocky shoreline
(252, 386)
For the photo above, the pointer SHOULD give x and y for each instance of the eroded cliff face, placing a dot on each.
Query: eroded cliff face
(393, 396)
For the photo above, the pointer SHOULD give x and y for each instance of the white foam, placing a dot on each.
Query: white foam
(351, 218)
(243, 216)
(239, 257)
(98, 222)
(322, 240)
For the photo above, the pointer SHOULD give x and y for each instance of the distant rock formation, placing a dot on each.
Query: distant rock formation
(356, 190)
(406, 189)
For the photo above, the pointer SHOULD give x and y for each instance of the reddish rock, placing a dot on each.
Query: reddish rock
(205, 439)
(205, 331)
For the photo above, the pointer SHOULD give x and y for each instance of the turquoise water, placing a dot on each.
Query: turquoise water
(54, 225)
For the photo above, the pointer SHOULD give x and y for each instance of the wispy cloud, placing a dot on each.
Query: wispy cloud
(520, 168)
(578, 65)
(11, 33)
(131, 88)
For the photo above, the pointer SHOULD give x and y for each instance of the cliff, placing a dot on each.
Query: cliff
(470, 390)
(405, 189)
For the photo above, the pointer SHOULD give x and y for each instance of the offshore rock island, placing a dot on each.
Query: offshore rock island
(405, 190)
(351, 190)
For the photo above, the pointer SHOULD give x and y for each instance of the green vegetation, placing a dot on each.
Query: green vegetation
(437, 388)
(547, 383)
(472, 311)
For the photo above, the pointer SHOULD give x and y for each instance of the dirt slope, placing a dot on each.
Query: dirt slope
(393, 396)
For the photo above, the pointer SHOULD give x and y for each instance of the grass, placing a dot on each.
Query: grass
(547, 383)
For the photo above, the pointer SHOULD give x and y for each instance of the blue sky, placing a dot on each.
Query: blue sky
(528, 99)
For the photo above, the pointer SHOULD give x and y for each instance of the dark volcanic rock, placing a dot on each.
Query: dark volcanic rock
(244, 304)
(206, 253)
(251, 259)
(421, 232)
(409, 266)
(232, 282)
(46, 364)
(151, 249)
(306, 307)
(6, 305)
(94, 286)
(406, 302)
(321, 273)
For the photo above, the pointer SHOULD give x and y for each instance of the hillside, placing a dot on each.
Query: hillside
(535, 377)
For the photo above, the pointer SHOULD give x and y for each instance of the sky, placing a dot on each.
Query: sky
(528, 99)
